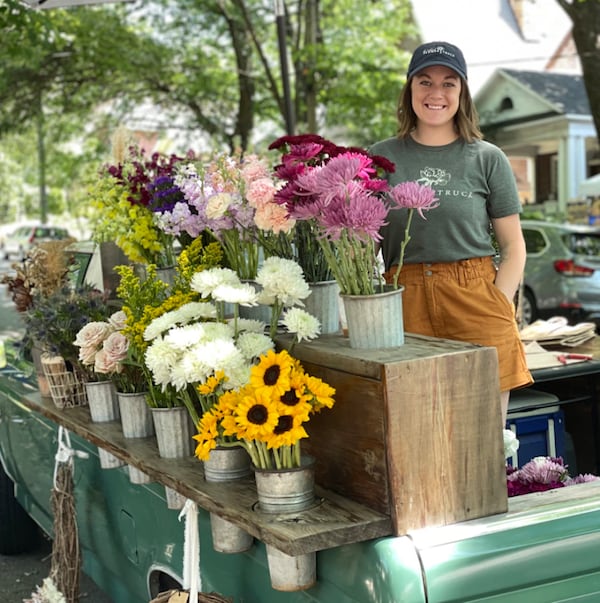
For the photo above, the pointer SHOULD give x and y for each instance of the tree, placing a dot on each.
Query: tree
(585, 16)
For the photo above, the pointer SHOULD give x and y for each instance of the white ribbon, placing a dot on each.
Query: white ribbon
(191, 550)
(64, 453)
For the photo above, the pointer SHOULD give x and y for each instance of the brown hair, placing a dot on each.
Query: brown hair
(466, 119)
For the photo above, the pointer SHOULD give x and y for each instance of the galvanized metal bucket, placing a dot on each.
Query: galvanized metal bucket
(227, 537)
(136, 418)
(323, 303)
(375, 321)
(109, 460)
(137, 476)
(227, 464)
(291, 573)
(173, 428)
(286, 490)
(102, 400)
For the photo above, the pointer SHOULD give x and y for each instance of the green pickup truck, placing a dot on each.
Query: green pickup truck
(544, 549)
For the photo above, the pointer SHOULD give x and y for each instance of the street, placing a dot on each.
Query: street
(21, 574)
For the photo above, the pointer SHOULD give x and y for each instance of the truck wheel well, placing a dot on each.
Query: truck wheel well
(160, 581)
(18, 532)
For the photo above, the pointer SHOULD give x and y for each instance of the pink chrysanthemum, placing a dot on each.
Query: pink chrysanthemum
(412, 195)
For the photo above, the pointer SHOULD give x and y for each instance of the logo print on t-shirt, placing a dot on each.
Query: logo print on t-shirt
(434, 177)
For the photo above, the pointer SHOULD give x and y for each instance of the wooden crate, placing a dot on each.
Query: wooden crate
(415, 431)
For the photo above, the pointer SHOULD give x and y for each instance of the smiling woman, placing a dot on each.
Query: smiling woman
(439, 144)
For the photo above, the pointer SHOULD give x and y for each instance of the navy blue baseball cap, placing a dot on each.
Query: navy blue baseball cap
(438, 53)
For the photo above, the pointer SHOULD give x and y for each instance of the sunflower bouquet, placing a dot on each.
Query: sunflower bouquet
(266, 416)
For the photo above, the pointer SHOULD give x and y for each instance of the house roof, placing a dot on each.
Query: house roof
(564, 91)
(490, 36)
(512, 95)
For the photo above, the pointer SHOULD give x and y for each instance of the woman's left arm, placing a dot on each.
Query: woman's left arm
(512, 254)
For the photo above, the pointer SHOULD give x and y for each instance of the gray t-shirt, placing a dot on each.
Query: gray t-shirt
(473, 181)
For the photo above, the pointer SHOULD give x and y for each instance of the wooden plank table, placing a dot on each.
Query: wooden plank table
(333, 520)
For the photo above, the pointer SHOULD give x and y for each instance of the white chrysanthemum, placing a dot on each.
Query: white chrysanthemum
(182, 338)
(205, 281)
(252, 345)
(224, 355)
(159, 358)
(237, 376)
(216, 330)
(249, 325)
(282, 279)
(242, 293)
(193, 365)
(159, 325)
(179, 377)
(300, 322)
(194, 311)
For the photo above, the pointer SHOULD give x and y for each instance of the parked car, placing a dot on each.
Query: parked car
(22, 239)
(562, 274)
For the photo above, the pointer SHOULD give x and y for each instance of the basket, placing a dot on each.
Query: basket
(67, 388)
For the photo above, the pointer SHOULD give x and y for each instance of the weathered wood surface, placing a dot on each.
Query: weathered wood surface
(333, 520)
(415, 431)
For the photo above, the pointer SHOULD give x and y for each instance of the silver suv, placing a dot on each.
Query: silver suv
(562, 274)
(20, 241)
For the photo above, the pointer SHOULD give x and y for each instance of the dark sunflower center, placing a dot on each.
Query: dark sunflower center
(284, 424)
(290, 398)
(272, 375)
(258, 414)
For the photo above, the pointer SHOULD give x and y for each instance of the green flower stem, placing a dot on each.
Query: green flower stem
(297, 455)
(276, 310)
(241, 254)
(189, 404)
(252, 451)
(403, 245)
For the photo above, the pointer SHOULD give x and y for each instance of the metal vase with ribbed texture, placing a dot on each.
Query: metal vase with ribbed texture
(173, 427)
(323, 304)
(136, 418)
(102, 401)
(375, 321)
(286, 490)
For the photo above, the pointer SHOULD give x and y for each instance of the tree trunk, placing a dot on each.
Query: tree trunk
(585, 16)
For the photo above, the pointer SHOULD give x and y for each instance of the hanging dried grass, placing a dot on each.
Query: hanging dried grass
(65, 566)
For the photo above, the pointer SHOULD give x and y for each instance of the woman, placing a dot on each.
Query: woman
(453, 288)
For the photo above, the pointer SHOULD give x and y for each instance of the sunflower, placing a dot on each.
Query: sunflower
(211, 384)
(208, 431)
(255, 416)
(322, 393)
(287, 432)
(272, 373)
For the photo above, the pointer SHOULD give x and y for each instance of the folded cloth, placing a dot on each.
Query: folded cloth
(557, 331)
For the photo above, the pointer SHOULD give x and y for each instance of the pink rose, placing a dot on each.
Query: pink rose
(93, 334)
(116, 346)
(87, 354)
(118, 320)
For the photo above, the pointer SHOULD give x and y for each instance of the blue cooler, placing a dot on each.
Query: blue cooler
(539, 424)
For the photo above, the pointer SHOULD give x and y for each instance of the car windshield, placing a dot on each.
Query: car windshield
(584, 244)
